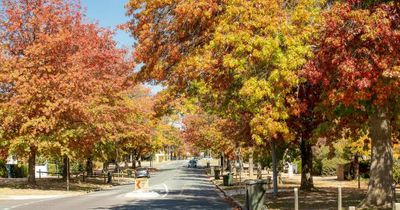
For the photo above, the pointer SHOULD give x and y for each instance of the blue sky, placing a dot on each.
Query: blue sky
(111, 13)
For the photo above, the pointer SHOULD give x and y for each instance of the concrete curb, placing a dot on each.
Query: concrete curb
(234, 202)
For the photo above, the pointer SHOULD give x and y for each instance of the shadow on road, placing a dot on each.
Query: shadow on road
(191, 199)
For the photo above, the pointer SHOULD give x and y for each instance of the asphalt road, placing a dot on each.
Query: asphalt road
(174, 187)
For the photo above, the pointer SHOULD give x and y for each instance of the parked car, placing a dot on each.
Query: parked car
(142, 173)
(192, 164)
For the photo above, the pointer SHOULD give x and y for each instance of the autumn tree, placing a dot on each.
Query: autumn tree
(53, 67)
(357, 64)
(138, 134)
(207, 132)
(239, 58)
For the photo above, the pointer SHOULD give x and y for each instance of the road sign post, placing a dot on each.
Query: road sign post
(141, 184)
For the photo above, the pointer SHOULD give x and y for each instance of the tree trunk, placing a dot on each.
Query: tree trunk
(133, 163)
(65, 168)
(357, 170)
(89, 167)
(251, 165)
(274, 171)
(68, 176)
(381, 175)
(306, 166)
(222, 163)
(31, 165)
(105, 166)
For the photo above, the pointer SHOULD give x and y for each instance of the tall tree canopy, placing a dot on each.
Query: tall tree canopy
(53, 66)
(357, 64)
(239, 58)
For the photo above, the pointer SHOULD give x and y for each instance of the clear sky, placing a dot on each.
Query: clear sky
(111, 13)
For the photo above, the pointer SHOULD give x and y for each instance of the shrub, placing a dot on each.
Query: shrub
(396, 171)
(52, 168)
(298, 164)
(20, 171)
(3, 170)
(76, 167)
(329, 166)
(317, 167)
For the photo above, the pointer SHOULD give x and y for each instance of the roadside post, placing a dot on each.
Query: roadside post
(394, 197)
(216, 173)
(339, 198)
(141, 184)
(296, 199)
(109, 178)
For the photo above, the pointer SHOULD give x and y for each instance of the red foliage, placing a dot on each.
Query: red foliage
(358, 56)
(54, 69)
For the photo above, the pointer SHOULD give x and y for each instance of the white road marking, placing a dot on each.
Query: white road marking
(166, 190)
(32, 202)
(142, 194)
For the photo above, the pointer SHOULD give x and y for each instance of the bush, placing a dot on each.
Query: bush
(329, 166)
(317, 167)
(396, 171)
(298, 164)
(76, 167)
(3, 170)
(52, 168)
(21, 171)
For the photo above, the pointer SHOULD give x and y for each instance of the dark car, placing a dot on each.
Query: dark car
(142, 172)
(192, 164)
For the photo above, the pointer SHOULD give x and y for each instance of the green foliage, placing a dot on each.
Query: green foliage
(396, 171)
(264, 160)
(317, 167)
(297, 162)
(52, 168)
(325, 161)
(3, 170)
(76, 167)
(329, 166)
(21, 171)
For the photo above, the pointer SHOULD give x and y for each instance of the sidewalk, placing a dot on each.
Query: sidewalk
(325, 193)
(33, 194)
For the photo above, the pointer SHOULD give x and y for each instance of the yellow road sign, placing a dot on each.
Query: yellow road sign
(141, 183)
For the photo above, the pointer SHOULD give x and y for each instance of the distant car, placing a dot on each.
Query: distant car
(142, 173)
(192, 164)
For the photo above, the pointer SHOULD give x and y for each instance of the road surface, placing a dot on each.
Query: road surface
(173, 187)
